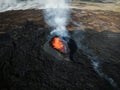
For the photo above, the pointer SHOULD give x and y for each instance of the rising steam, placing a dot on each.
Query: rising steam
(57, 15)
(56, 11)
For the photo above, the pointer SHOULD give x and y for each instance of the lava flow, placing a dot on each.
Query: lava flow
(59, 44)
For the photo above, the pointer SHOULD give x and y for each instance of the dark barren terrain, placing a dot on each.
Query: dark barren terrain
(24, 65)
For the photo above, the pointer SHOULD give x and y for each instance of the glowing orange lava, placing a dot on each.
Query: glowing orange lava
(58, 44)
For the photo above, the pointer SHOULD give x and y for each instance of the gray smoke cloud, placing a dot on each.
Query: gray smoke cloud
(6, 5)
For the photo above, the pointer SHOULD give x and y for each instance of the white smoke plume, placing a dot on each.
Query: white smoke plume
(56, 12)
(57, 15)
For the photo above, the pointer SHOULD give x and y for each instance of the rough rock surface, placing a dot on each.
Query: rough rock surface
(24, 65)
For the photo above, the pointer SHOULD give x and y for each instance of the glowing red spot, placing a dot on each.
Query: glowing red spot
(57, 43)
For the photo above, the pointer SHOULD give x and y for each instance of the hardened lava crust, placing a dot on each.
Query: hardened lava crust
(25, 63)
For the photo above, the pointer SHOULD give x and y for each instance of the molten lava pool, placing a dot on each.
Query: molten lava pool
(60, 45)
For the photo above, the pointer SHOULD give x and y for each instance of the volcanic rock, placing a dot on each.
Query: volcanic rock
(25, 65)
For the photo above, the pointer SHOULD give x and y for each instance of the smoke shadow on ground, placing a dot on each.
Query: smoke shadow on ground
(73, 48)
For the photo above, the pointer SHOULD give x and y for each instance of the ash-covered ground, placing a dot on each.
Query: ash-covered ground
(95, 65)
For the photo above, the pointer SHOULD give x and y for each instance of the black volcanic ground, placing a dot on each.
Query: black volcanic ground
(24, 65)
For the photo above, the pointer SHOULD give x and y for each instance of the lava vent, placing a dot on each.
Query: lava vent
(60, 45)
(57, 47)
